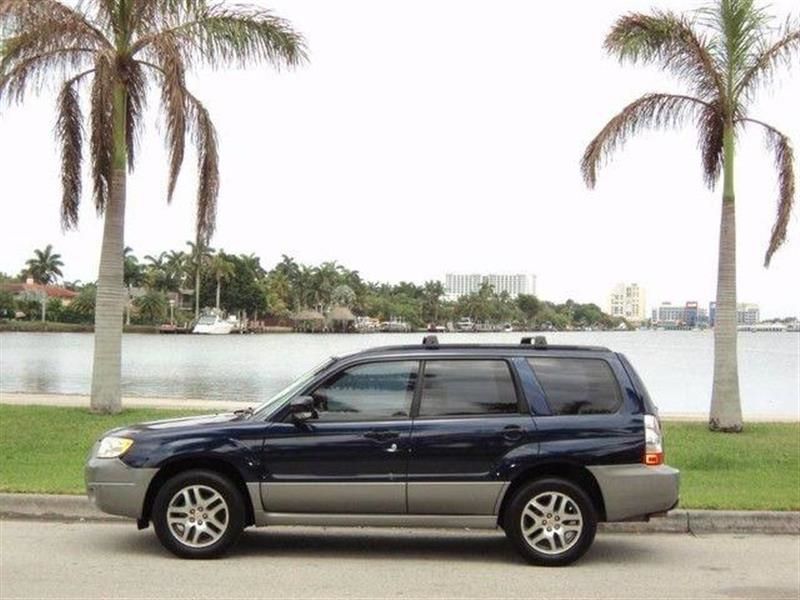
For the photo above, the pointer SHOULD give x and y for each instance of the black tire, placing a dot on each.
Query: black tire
(558, 536)
(204, 539)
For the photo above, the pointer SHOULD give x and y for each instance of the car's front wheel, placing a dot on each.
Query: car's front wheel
(198, 514)
(552, 522)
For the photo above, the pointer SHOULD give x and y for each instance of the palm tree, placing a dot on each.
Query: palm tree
(122, 48)
(45, 266)
(724, 53)
(222, 270)
(132, 276)
(198, 255)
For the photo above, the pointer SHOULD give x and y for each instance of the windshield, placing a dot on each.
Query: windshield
(291, 389)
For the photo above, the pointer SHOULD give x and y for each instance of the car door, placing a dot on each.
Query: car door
(468, 418)
(351, 456)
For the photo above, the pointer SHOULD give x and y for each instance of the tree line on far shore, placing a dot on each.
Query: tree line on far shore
(239, 284)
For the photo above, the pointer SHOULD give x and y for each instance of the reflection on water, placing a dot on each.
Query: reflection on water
(676, 365)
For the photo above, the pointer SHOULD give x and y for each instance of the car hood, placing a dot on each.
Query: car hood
(197, 422)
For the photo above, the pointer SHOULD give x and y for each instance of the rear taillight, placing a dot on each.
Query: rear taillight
(653, 441)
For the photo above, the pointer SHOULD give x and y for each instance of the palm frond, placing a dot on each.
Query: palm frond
(32, 74)
(102, 129)
(136, 103)
(781, 147)
(225, 36)
(711, 127)
(41, 25)
(671, 41)
(173, 102)
(204, 136)
(69, 132)
(741, 27)
(655, 111)
(770, 58)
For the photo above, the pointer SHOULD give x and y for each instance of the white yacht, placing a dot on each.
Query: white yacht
(213, 323)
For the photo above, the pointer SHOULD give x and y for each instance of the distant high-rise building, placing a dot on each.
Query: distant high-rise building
(461, 284)
(629, 301)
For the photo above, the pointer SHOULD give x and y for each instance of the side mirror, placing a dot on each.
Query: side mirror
(302, 408)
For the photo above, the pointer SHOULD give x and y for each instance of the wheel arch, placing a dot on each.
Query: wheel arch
(179, 465)
(577, 474)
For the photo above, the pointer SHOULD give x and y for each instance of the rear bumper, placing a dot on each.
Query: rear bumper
(637, 490)
(115, 488)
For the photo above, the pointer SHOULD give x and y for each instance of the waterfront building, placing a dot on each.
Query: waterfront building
(461, 284)
(746, 313)
(629, 301)
(676, 315)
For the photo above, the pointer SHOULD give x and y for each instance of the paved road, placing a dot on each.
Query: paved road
(41, 559)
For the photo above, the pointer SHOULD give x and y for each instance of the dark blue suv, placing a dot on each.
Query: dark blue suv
(543, 441)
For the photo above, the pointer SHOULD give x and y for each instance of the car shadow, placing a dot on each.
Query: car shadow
(381, 544)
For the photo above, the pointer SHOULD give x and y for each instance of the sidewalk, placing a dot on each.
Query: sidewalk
(78, 508)
(79, 400)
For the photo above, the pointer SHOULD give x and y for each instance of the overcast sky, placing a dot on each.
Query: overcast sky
(433, 136)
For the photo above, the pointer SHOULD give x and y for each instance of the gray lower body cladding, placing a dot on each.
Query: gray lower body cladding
(115, 488)
(636, 490)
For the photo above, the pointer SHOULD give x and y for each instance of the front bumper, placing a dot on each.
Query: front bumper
(636, 491)
(114, 487)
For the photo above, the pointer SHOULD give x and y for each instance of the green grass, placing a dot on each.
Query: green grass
(42, 449)
(758, 469)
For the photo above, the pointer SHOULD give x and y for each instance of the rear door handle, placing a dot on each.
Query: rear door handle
(512, 432)
(381, 436)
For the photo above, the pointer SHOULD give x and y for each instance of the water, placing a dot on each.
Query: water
(676, 365)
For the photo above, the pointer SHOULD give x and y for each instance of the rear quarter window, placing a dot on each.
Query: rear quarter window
(577, 386)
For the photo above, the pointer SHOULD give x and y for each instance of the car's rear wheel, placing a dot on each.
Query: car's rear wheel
(552, 522)
(198, 514)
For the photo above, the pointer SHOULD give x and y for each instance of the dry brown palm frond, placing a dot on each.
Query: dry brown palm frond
(46, 21)
(136, 103)
(655, 111)
(671, 41)
(173, 102)
(711, 127)
(204, 136)
(69, 131)
(32, 74)
(102, 129)
(781, 147)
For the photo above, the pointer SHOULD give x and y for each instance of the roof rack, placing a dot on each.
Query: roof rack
(539, 342)
(431, 342)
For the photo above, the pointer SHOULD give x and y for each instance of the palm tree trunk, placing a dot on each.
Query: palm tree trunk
(726, 407)
(107, 367)
(219, 284)
(197, 290)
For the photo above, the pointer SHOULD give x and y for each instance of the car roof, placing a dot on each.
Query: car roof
(432, 347)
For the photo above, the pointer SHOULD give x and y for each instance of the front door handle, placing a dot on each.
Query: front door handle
(512, 432)
(381, 436)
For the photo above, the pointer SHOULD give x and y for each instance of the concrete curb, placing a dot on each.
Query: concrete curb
(78, 508)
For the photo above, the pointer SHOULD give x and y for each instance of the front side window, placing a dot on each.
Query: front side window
(381, 390)
(577, 386)
(467, 387)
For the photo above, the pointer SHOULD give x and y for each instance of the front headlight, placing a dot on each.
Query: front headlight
(113, 447)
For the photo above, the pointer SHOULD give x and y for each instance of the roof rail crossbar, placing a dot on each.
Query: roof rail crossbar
(539, 342)
(431, 342)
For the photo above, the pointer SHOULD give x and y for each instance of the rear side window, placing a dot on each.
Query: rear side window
(577, 386)
(467, 387)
